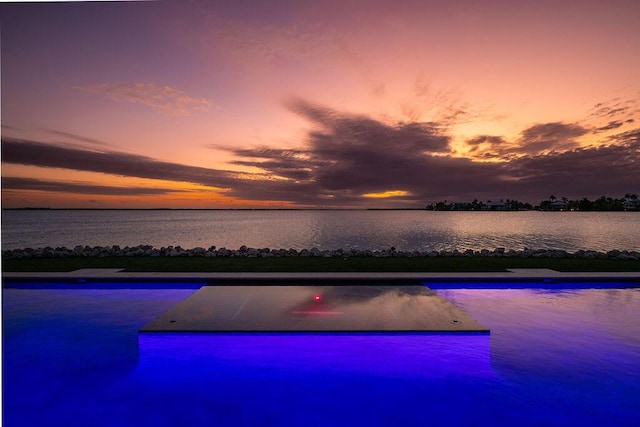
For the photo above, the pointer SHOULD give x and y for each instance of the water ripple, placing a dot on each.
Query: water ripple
(405, 230)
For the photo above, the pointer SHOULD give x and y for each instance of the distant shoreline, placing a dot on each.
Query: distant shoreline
(214, 209)
(300, 209)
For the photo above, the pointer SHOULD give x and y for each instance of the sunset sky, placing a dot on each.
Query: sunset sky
(327, 103)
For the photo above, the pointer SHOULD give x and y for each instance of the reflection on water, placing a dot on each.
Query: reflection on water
(314, 308)
(546, 331)
(405, 230)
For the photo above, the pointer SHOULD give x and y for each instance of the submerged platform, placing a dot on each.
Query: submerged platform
(315, 309)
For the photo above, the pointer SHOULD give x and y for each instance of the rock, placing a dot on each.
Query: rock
(252, 252)
(244, 251)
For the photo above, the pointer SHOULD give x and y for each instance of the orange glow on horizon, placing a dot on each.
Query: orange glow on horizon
(386, 194)
(191, 200)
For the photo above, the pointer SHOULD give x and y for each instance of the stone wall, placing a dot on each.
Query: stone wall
(245, 252)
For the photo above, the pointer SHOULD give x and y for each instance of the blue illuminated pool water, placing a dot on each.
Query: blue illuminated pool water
(554, 358)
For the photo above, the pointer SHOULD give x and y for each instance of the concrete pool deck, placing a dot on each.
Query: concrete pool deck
(515, 274)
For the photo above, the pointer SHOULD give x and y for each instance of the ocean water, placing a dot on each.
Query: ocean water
(325, 229)
(564, 357)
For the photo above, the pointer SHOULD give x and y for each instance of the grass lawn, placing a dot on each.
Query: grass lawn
(312, 264)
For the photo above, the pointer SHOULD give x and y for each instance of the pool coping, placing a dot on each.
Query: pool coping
(515, 274)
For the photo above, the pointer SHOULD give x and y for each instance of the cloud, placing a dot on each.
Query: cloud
(486, 139)
(444, 107)
(346, 158)
(616, 112)
(360, 154)
(294, 37)
(270, 42)
(615, 124)
(348, 155)
(16, 183)
(75, 137)
(612, 115)
(351, 153)
(292, 164)
(557, 136)
(482, 145)
(584, 172)
(165, 99)
(613, 108)
(539, 138)
(630, 138)
(242, 185)
(35, 153)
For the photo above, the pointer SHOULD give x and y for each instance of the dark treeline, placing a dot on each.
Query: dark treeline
(629, 202)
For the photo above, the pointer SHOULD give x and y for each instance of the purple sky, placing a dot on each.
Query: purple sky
(214, 104)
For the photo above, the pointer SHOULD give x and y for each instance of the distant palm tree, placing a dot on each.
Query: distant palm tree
(552, 197)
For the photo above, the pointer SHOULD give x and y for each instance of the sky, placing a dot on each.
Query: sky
(317, 104)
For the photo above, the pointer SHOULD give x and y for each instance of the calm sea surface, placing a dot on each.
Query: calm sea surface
(325, 229)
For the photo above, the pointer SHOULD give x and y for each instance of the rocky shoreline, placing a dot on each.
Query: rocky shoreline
(246, 252)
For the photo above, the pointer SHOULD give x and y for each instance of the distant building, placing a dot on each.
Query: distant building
(459, 206)
(631, 204)
(495, 206)
(559, 205)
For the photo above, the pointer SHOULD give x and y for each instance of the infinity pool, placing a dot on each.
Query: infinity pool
(562, 357)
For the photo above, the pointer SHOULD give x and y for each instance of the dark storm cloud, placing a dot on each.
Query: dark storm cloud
(536, 139)
(357, 153)
(303, 193)
(357, 130)
(347, 156)
(15, 183)
(584, 172)
(34, 153)
(557, 136)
